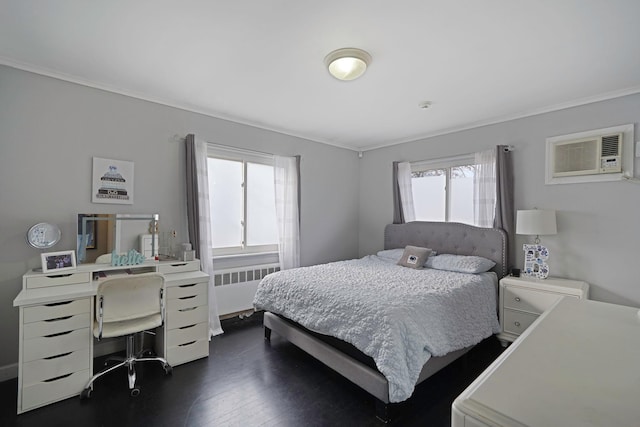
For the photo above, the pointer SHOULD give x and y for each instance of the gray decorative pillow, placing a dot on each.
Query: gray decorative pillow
(460, 263)
(414, 256)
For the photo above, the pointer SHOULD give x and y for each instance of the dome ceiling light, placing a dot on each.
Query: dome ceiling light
(348, 63)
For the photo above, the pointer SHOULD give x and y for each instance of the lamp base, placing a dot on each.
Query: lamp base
(535, 257)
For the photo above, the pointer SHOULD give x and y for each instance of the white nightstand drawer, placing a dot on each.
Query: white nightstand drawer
(188, 351)
(47, 392)
(57, 310)
(516, 322)
(533, 301)
(187, 334)
(45, 369)
(186, 317)
(41, 347)
(55, 326)
(186, 290)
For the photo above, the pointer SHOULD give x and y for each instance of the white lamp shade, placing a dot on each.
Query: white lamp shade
(536, 222)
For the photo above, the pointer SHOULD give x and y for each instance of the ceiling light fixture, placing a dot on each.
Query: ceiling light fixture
(348, 63)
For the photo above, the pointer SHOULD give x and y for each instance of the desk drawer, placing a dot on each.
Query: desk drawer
(187, 334)
(179, 267)
(45, 369)
(43, 281)
(56, 310)
(188, 352)
(188, 302)
(43, 393)
(56, 326)
(529, 300)
(186, 290)
(516, 322)
(41, 347)
(186, 317)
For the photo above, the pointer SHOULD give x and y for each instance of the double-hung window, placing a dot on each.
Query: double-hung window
(443, 189)
(242, 202)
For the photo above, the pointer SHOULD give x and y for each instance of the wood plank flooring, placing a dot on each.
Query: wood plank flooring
(247, 381)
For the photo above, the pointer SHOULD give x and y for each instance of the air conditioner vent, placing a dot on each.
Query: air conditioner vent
(611, 145)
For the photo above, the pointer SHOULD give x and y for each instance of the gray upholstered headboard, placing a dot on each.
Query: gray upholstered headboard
(451, 238)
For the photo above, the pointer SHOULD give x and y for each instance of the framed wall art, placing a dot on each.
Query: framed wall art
(112, 181)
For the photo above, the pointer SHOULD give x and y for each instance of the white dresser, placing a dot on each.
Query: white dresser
(56, 311)
(523, 299)
(577, 365)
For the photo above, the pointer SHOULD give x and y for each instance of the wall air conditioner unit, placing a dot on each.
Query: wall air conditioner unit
(591, 156)
(587, 156)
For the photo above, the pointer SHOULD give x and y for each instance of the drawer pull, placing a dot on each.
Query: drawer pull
(187, 343)
(58, 378)
(57, 356)
(517, 324)
(517, 299)
(55, 276)
(187, 286)
(55, 304)
(187, 309)
(58, 334)
(179, 265)
(187, 327)
(189, 297)
(57, 319)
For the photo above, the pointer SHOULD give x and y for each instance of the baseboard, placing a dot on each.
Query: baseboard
(8, 372)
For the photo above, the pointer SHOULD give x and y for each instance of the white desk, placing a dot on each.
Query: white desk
(56, 312)
(577, 365)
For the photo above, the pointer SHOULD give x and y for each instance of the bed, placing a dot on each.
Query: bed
(378, 360)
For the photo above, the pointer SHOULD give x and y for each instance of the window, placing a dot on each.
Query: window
(242, 203)
(443, 190)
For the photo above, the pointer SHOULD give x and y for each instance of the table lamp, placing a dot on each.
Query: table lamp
(536, 222)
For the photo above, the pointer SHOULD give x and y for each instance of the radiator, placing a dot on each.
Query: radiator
(236, 287)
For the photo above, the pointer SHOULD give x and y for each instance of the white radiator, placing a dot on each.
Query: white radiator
(236, 287)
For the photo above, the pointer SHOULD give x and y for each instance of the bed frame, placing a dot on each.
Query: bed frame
(443, 237)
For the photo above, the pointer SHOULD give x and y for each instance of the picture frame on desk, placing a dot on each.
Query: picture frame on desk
(58, 261)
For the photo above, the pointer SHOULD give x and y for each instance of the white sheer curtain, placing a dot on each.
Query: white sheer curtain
(484, 188)
(198, 216)
(287, 211)
(406, 191)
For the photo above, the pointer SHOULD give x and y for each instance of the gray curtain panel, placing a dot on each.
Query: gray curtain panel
(398, 216)
(505, 215)
(192, 195)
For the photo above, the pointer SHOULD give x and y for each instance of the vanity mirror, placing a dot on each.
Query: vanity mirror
(100, 234)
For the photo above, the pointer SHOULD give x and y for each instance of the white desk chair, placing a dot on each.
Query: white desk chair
(126, 306)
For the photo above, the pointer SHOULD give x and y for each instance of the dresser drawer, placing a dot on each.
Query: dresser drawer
(529, 300)
(34, 282)
(50, 391)
(41, 347)
(45, 369)
(516, 322)
(56, 310)
(188, 352)
(187, 334)
(179, 267)
(187, 302)
(56, 326)
(186, 290)
(186, 317)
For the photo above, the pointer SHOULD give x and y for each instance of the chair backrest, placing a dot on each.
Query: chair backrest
(130, 297)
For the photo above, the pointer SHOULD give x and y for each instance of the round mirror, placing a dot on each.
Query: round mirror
(43, 235)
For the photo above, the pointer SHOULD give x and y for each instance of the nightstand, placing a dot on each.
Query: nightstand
(523, 299)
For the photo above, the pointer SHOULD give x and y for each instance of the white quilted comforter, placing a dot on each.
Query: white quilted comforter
(397, 315)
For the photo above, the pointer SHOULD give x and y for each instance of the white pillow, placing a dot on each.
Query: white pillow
(391, 254)
(460, 263)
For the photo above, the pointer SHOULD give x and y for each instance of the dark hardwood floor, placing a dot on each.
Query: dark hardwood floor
(247, 381)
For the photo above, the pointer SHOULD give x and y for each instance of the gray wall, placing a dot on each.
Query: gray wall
(51, 129)
(597, 222)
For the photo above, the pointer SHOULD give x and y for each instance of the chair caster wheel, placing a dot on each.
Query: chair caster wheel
(135, 392)
(86, 393)
(168, 369)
